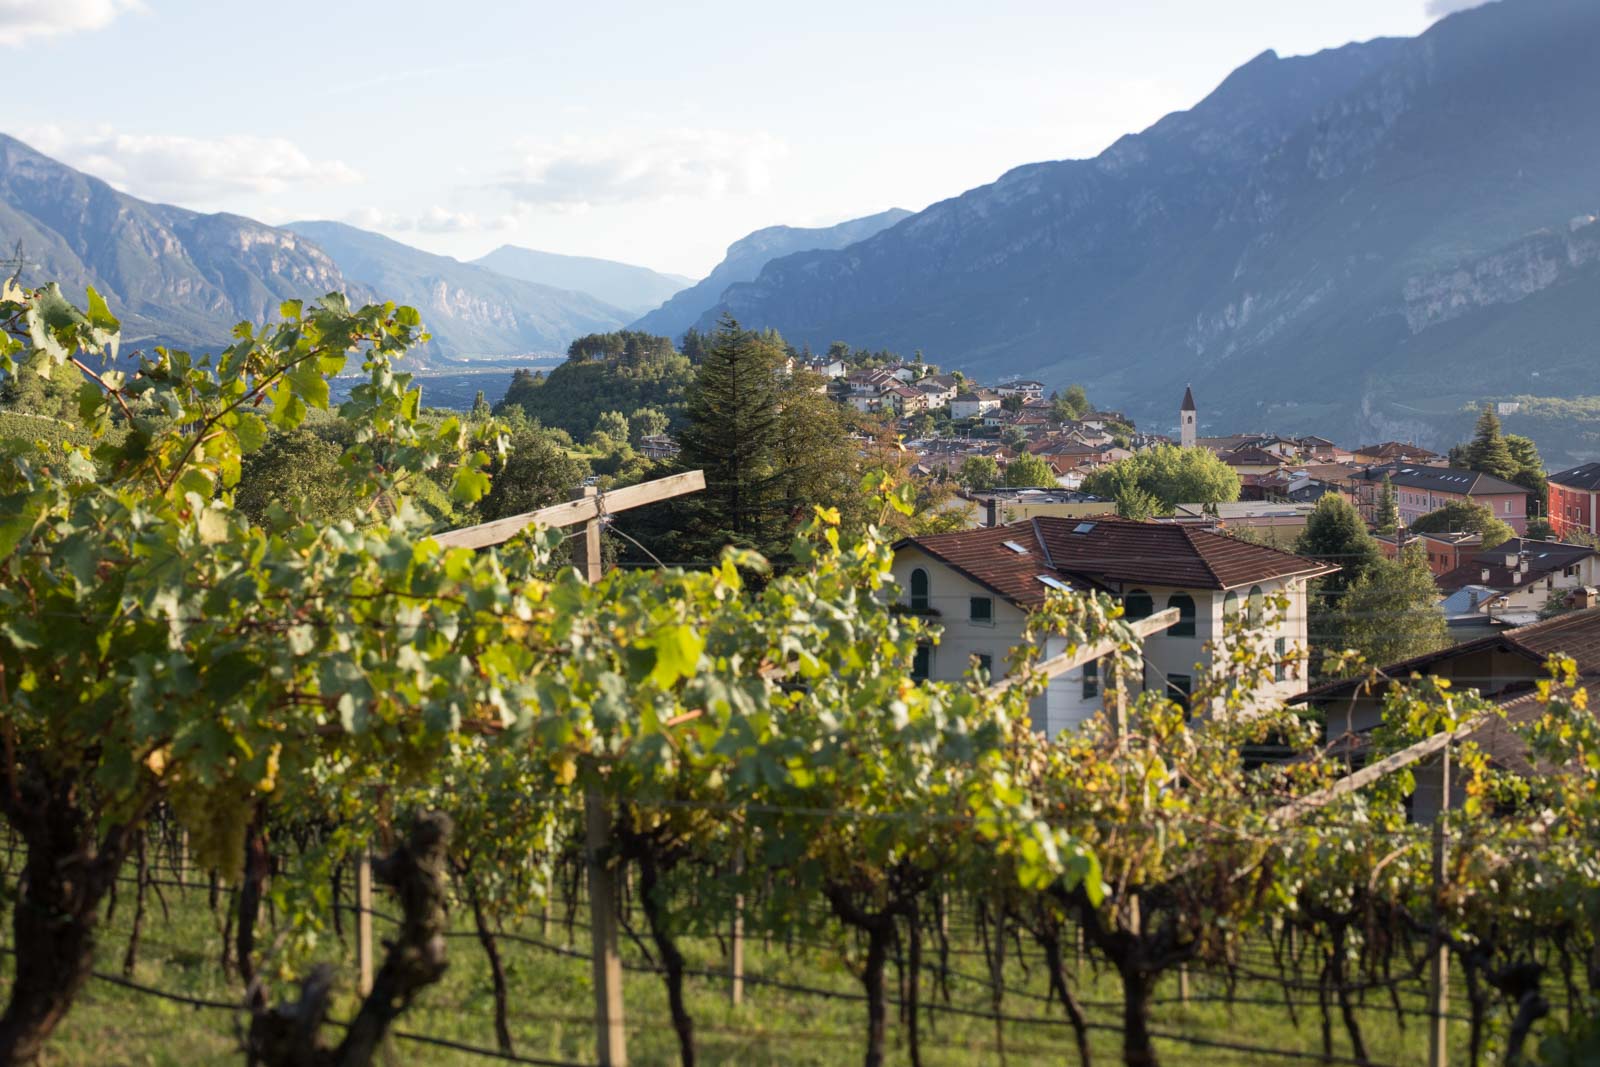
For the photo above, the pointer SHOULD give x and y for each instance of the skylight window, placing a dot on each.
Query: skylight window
(1054, 583)
(1013, 546)
(1083, 527)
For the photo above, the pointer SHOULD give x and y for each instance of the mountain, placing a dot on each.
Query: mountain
(173, 276)
(634, 289)
(1355, 243)
(744, 261)
(471, 311)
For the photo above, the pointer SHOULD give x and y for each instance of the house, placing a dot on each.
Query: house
(1444, 551)
(937, 394)
(905, 400)
(974, 404)
(997, 507)
(658, 446)
(980, 586)
(1524, 577)
(1504, 666)
(828, 368)
(1028, 390)
(1573, 500)
(1396, 452)
(1251, 459)
(1419, 490)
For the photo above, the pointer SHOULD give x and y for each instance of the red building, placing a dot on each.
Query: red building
(1572, 501)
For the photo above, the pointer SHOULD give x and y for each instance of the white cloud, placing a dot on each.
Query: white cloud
(1438, 9)
(22, 19)
(434, 220)
(685, 164)
(190, 170)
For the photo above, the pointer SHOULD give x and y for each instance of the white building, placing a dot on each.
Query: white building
(980, 585)
(974, 405)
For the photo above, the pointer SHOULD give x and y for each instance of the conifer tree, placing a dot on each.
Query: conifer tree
(1488, 451)
(1391, 613)
(1387, 519)
(733, 433)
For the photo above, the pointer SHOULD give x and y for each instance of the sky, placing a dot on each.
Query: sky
(644, 132)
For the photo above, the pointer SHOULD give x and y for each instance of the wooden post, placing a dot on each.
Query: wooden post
(364, 966)
(182, 857)
(610, 1038)
(586, 547)
(736, 941)
(1183, 983)
(1439, 966)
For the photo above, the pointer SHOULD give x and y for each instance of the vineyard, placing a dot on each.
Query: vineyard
(375, 791)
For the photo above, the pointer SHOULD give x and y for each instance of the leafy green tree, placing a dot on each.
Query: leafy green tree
(1488, 451)
(1014, 437)
(1387, 516)
(1072, 404)
(1134, 503)
(620, 376)
(1540, 530)
(1171, 475)
(614, 424)
(534, 472)
(647, 422)
(297, 473)
(1391, 612)
(1029, 470)
(1463, 516)
(978, 473)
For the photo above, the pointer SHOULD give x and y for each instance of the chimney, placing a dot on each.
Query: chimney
(1511, 560)
(1522, 565)
(1484, 575)
(1516, 577)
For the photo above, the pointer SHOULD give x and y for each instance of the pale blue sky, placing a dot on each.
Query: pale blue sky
(647, 132)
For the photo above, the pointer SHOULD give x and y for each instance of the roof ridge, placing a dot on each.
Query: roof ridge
(1188, 534)
(1043, 545)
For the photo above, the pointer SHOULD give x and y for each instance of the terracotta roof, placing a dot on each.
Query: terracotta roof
(1586, 477)
(1107, 552)
(1396, 450)
(1250, 456)
(1505, 746)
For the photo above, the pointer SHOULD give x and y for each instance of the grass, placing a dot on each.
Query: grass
(551, 1006)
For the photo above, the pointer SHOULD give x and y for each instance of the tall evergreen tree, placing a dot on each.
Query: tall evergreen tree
(1336, 534)
(1488, 451)
(1391, 613)
(733, 434)
(1387, 518)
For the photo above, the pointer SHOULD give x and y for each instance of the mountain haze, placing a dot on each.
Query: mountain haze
(623, 285)
(745, 259)
(471, 311)
(173, 276)
(1355, 243)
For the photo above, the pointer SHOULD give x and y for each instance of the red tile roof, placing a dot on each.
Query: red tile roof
(1106, 552)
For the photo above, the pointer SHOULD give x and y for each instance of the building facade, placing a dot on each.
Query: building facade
(981, 585)
(1573, 500)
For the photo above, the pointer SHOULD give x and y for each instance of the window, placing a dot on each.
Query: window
(985, 665)
(1507, 507)
(1091, 679)
(919, 590)
(982, 609)
(1184, 627)
(1280, 650)
(922, 663)
(1138, 605)
(1230, 604)
(1258, 606)
(1179, 689)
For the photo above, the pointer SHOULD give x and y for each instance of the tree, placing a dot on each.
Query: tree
(1012, 403)
(1391, 612)
(647, 422)
(1335, 534)
(1171, 475)
(1530, 472)
(1014, 437)
(1488, 451)
(733, 432)
(297, 472)
(1463, 516)
(1134, 503)
(1029, 470)
(978, 473)
(1072, 404)
(1387, 517)
(614, 424)
(535, 472)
